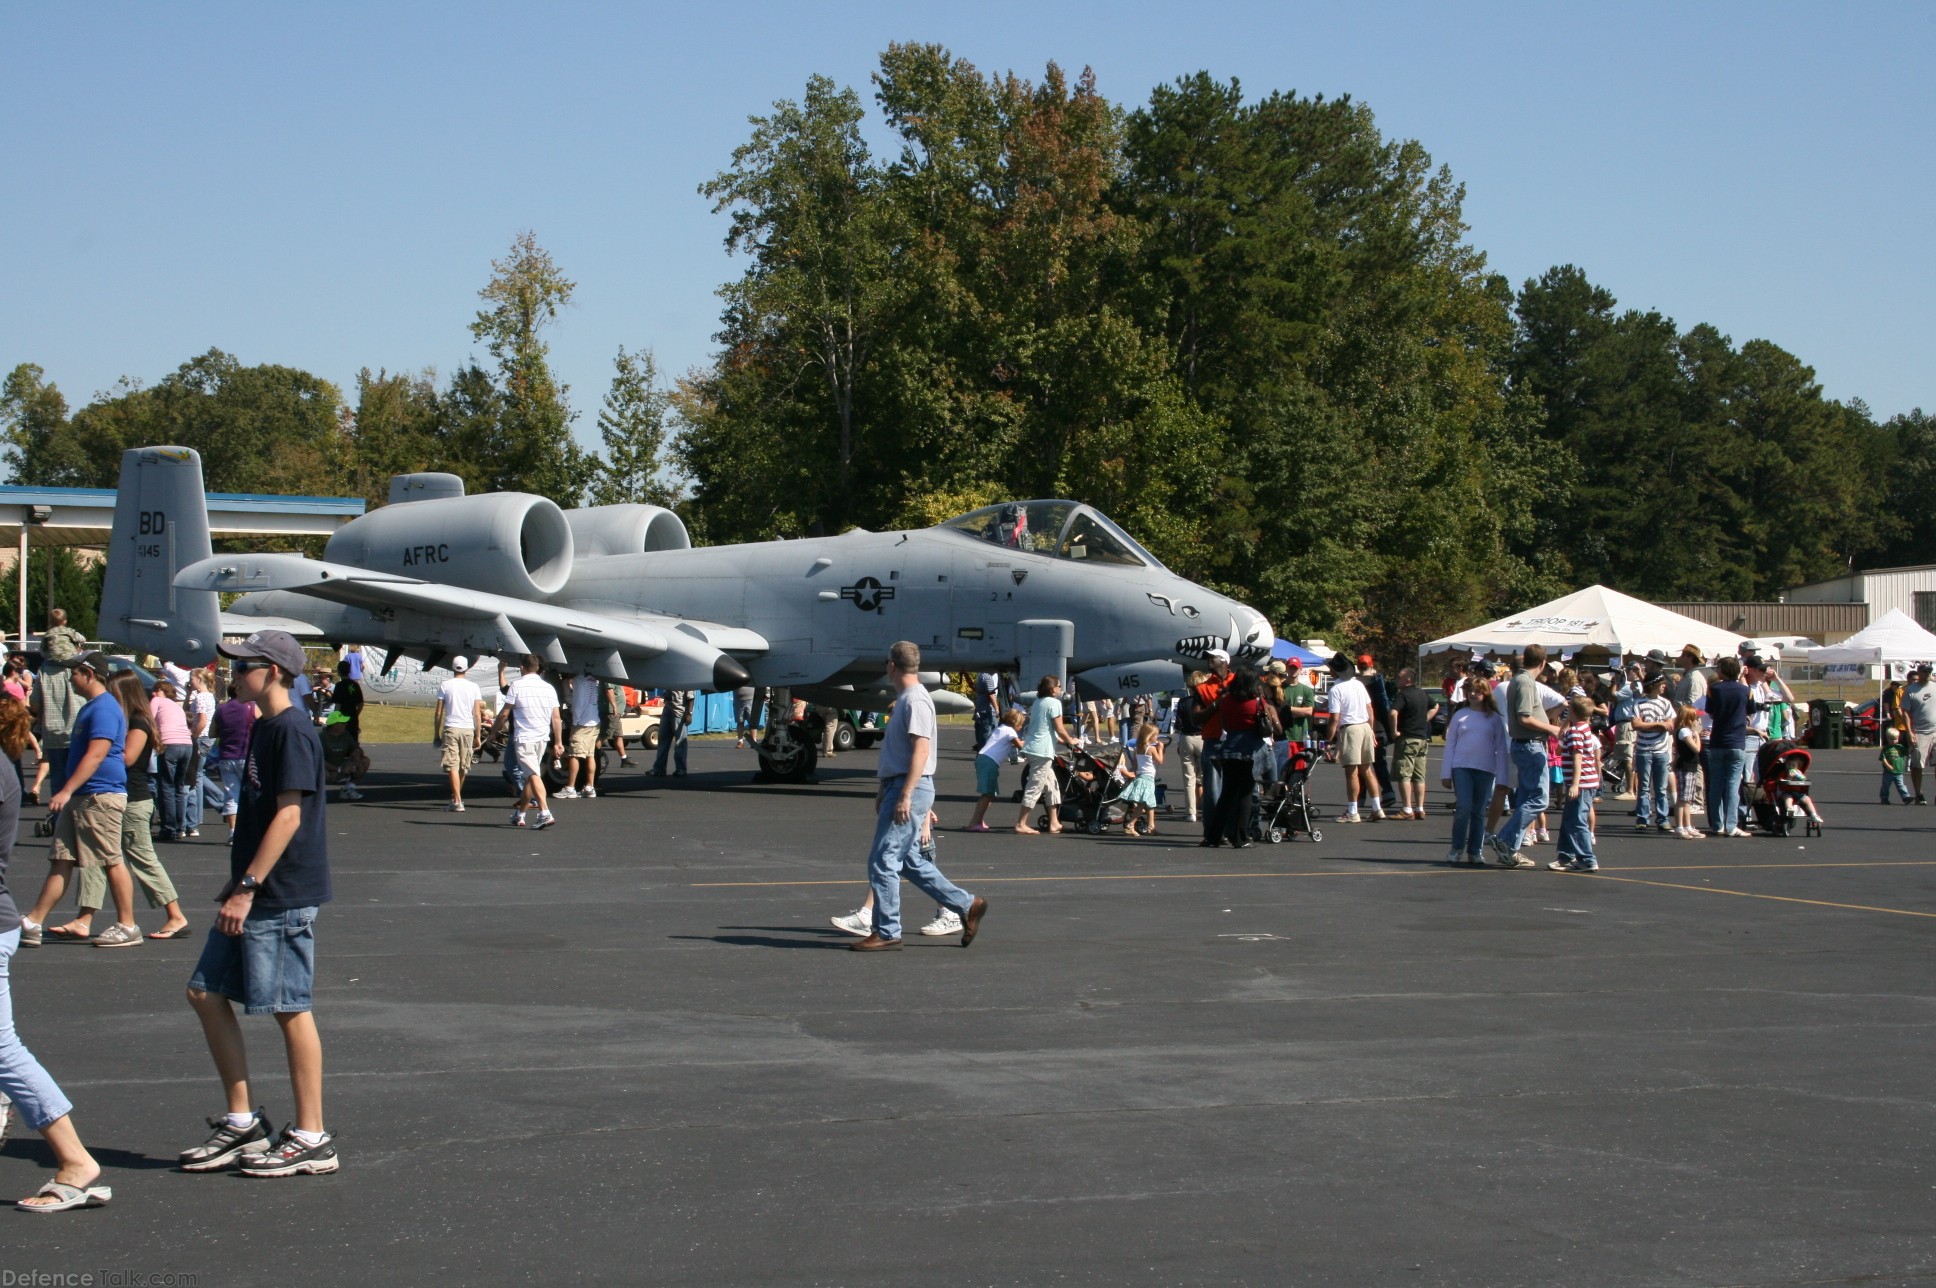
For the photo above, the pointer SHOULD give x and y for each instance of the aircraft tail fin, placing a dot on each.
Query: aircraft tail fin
(160, 527)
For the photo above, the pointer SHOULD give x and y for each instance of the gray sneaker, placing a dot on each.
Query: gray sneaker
(117, 936)
(1514, 861)
(29, 934)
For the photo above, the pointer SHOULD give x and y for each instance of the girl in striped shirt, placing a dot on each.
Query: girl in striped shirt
(1580, 757)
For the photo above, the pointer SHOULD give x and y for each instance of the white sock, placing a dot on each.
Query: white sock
(240, 1121)
(307, 1137)
(1352, 808)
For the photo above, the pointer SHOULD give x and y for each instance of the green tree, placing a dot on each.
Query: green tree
(531, 447)
(77, 588)
(632, 425)
(395, 430)
(40, 446)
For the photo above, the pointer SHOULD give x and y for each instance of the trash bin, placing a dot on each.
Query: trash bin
(1825, 724)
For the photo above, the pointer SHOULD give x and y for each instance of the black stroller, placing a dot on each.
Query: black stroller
(1286, 806)
(1781, 789)
(1091, 791)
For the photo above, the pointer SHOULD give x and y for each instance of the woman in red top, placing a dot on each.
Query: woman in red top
(1245, 720)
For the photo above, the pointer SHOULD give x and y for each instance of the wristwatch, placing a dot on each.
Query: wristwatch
(247, 884)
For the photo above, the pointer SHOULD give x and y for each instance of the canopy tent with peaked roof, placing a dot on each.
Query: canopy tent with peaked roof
(1595, 620)
(1892, 637)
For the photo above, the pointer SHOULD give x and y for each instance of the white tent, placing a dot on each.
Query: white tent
(1595, 618)
(1893, 637)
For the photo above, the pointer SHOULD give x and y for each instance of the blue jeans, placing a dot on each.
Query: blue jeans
(1210, 768)
(1472, 789)
(1529, 796)
(1726, 768)
(33, 1093)
(897, 852)
(675, 746)
(1650, 785)
(1894, 780)
(192, 797)
(1576, 828)
(173, 796)
(231, 772)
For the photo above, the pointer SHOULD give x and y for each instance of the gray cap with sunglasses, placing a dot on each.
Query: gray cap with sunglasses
(279, 647)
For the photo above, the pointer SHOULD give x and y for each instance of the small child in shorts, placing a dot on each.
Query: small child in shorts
(988, 763)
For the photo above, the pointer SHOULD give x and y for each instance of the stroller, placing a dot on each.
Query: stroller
(1090, 791)
(1286, 806)
(342, 756)
(1781, 786)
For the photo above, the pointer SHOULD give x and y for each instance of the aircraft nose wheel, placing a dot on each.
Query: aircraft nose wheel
(787, 759)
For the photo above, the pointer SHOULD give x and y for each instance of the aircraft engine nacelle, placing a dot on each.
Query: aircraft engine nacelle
(625, 530)
(505, 543)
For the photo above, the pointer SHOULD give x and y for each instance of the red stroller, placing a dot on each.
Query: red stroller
(1781, 789)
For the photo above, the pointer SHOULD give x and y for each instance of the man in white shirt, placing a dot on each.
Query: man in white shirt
(532, 706)
(459, 715)
(1352, 739)
(583, 746)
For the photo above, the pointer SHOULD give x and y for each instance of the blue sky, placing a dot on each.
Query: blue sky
(325, 185)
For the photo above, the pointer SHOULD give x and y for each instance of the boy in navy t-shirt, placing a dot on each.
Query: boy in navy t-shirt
(262, 951)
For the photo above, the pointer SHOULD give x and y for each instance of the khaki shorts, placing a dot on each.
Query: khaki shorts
(1357, 745)
(460, 750)
(88, 832)
(583, 742)
(1412, 755)
(1925, 750)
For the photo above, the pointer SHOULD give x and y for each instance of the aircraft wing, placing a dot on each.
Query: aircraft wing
(500, 623)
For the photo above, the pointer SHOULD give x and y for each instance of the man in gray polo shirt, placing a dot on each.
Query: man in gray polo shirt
(907, 794)
(1528, 725)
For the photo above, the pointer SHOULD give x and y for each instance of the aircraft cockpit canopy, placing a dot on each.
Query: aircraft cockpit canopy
(1062, 529)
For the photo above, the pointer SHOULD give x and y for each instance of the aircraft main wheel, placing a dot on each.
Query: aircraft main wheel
(843, 736)
(787, 759)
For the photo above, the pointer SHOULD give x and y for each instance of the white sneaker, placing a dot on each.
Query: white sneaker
(350, 793)
(568, 794)
(946, 922)
(1455, 855)
(858, 923)
(590, 793)
(457, 807)
(544, 820)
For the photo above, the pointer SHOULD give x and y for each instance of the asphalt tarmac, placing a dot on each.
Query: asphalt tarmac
(630, 1049)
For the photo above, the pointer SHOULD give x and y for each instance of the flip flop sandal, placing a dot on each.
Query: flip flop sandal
(70, 1196)
(172, 934)
(68, 932)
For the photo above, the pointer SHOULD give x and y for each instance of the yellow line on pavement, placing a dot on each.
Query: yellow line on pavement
(1750, 894)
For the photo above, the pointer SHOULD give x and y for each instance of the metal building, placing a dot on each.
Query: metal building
(1912, 589)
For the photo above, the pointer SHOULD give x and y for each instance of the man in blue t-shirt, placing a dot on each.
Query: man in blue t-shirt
(262, 951)
(89, 808)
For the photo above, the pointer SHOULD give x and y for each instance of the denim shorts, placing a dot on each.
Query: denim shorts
(270, 967)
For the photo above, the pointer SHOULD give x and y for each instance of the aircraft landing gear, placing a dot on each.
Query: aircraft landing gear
(788, 755)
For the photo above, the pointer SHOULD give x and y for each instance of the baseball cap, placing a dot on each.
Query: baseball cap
(1217, 655)
(1277, 667)
(1292, 666)
(460, 664)
(1364, 659)
(279, 647)
(99, 663)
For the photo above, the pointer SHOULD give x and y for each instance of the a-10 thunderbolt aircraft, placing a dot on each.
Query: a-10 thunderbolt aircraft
(619, 592)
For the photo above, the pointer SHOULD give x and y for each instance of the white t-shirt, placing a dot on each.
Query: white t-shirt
(1350, 703)
(460, 698)
(999, 743)
(532, 700)
(584, 701)
(203, 705)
